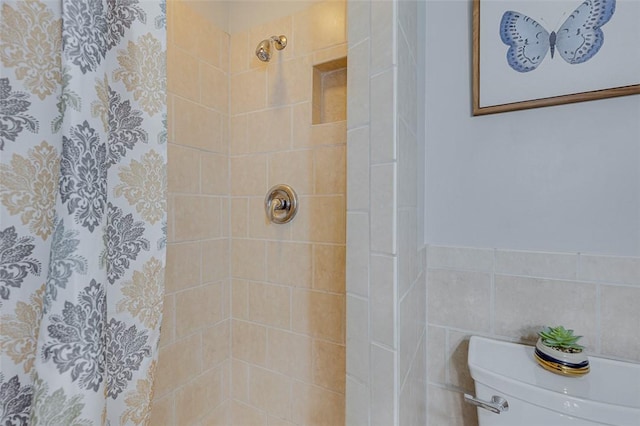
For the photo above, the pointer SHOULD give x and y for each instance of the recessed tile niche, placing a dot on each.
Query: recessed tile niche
(330, 92)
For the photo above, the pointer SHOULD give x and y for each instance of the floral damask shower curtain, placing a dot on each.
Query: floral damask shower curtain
(82, 209)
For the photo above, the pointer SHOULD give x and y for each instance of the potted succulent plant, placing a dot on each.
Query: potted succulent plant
(558, 351)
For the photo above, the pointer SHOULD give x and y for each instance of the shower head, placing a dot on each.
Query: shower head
(263, 51)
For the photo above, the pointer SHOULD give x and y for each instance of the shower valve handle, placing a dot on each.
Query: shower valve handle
(281, 204)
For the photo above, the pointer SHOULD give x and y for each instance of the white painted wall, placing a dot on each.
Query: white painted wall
(563, 178)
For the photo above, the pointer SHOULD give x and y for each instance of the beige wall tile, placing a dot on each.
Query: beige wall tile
(214, 87)
(294, 168)
(317, 406)
(196, 217)
(248, 259)
(536, 264)
(197, 308)
(319, 314)
(382, 386)
(220, 416)
(359, 23)
(182, 73)
(240, 299)
(383, 309)
(210, 44)
(329, 263)
(170, 117)
(289, 263)
(270, 304)
(215, 174)
(358, 362)
(460, 258)
(411, 312)
(240, 382)
(249, 342)
(436, 354)
(357, 272)
(329, 365)
(270, 392)
(383, 235)
(301, 124)
(249, 175)
(320, 26)
(182, 267)
(383, 142)
(215, 260)
(357, 410)
(198, 396)
(168, 327)
(382, 42)
(239, 52)
(248, 91)
(610, 269)
(183, 169)
(469, 309)
(297, 74)
(216, 344)
(242, 414)
(170, 218)
(240, 143)
(334, 96)
(197, 126)
(289, 354)
(330, 170)
(620, 320)
(274, 421)
(162, 412)
(176, 366)
(239, 217)
(358, 101)
(269, 130)
(523, 306)
(330, 54)
(320, 219)
(186, 25)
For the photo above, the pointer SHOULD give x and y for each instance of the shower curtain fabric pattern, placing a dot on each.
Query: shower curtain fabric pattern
(82, 209)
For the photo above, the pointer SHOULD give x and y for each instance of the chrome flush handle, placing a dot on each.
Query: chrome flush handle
(497, 405)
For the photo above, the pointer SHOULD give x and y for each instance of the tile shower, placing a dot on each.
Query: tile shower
(254, 328)
(406, 336)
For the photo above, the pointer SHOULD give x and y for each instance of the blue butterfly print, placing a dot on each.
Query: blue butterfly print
(578, 39)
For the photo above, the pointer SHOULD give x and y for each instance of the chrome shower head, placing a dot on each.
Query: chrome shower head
(263, 51)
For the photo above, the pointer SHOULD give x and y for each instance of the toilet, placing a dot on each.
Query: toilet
(513, 390)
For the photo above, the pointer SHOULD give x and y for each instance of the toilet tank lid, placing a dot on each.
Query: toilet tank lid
(511, 365)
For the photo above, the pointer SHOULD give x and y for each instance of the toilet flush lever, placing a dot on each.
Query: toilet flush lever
(497, 405)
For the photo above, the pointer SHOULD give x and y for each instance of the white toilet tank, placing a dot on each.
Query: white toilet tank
(608, 395)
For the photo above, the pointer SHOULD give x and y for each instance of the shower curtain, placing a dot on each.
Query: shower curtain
(82, 209)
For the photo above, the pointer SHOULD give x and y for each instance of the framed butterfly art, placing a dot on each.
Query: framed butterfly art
(536, 53)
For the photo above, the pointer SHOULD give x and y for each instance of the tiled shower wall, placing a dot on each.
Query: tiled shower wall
(386, 334)
(510, 295)
(194, 358)
(254, 326)
(288, 295)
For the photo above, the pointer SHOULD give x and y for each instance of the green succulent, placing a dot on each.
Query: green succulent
(560, 338)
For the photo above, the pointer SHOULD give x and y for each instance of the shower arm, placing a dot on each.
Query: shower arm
(280, 42)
